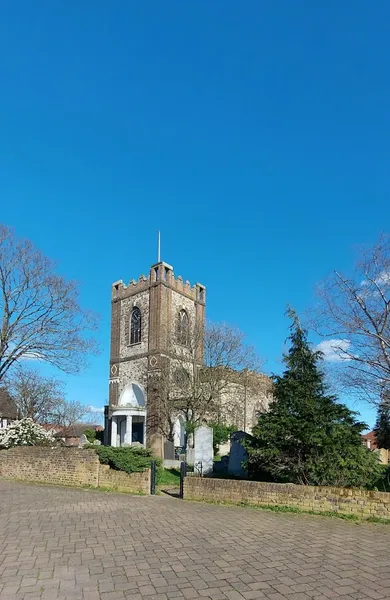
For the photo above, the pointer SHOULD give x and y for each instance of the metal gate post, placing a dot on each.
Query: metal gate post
(153, 474)
(183, 473)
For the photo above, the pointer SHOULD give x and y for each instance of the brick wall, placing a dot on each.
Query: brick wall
(68, 466)
(321, 499)
(136, 483)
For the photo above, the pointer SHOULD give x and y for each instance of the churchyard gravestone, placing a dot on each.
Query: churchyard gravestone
(203, 448)
(238, 454)
(83, 440)
(169, 450)
(221, 467)
(190, 455)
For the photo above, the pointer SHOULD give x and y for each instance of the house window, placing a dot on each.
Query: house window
(182, 328)
(135, 326)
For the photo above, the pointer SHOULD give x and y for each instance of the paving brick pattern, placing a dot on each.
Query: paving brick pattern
(68, 544)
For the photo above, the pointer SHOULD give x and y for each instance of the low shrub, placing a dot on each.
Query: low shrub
(92, 435)
(382, 484)
(221, 434)
(130, 460)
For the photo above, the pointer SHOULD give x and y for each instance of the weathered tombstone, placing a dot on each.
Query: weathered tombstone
(190, 452)
(83, 440)
(238, 454)
(222, 465)
(203, 448)
(169, 450)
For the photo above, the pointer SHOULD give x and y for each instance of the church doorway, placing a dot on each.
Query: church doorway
(128, 421)
(138, 429)
(127, 429)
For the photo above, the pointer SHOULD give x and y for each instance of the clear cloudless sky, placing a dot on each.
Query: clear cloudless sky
(254, 134)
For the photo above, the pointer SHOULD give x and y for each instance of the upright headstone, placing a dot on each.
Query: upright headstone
(190, 452)
(190, 455)
(238, 454)
(203, 448)
(221, 467)
(169, 450)
(83, 440)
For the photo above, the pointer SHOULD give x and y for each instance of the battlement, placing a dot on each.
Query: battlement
(160, 272)
(196, 292)
(164, 272)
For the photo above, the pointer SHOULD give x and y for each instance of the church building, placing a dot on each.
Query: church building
(146, 315)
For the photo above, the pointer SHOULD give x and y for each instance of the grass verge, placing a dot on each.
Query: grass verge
(295, 510)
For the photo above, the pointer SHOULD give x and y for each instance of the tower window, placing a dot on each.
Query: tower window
(135, 326)
(183, 328)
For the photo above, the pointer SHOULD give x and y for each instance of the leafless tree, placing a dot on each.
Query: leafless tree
(68, 412)
(354, 314)
(40, 315)
(35, 396)
(196, 375)
(43, 399)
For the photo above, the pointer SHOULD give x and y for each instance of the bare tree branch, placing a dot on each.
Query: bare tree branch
(39, 311)
(354, 312)
(68, 412)
(212, 376)
(35, 396)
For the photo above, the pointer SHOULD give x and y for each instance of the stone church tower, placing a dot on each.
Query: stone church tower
(143, 316)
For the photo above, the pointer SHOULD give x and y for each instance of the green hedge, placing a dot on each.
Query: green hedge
(130, 460)
(383, 482)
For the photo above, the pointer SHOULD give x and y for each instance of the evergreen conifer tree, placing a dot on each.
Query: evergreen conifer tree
(307, 436)
(382, 426)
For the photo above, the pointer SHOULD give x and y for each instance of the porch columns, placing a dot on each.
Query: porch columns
(129, 430)
(114, 429)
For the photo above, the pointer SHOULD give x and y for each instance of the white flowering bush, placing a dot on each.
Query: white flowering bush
(25, 433)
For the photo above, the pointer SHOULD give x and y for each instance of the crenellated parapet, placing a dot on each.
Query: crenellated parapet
(159, 273)
(120, 290)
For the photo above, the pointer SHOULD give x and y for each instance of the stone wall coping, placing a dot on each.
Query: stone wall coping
(293, 487)
(321, 499)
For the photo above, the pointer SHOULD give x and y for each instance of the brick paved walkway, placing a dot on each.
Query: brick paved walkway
(61, 543)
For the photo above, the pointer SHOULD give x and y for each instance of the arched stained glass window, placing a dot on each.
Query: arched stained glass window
(135, 326)
(183, 328)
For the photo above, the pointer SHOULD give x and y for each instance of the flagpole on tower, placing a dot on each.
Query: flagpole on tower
(158, 248)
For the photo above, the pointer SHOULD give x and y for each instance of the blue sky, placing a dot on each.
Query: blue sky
(255, 135)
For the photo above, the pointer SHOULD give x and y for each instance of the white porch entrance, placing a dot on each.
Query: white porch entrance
(127, 428)
(128, 421)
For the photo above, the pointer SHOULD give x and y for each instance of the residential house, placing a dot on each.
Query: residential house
(8, 409)
(369, 440)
